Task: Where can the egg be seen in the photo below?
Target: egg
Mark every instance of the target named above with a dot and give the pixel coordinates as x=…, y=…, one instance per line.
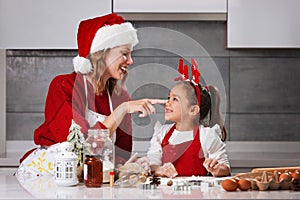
x=285, y=176
x=236, y=178
x=229, y=185
x=296, y=174
x=244, y=184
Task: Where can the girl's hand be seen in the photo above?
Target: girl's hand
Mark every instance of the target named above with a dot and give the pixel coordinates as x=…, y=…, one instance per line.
x=144, y=106
x=215, y=168
x=211, y=165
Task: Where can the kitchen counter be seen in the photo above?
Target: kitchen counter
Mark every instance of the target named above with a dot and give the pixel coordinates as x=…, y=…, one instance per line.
x=45, y=187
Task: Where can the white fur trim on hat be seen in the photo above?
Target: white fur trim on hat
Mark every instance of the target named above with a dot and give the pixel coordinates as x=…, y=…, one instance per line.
x=82, y=65
x=114, y=35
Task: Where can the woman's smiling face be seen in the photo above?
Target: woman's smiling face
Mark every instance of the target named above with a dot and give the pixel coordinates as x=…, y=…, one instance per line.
x=118, y=59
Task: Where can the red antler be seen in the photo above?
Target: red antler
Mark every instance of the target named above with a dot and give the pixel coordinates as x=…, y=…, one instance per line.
x=180, y=66
x=183, y=70
x=195, y=71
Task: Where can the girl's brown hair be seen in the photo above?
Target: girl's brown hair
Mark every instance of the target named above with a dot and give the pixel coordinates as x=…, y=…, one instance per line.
x=210, y=105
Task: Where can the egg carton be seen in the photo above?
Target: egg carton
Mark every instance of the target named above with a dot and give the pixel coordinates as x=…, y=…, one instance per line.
x=273, y=181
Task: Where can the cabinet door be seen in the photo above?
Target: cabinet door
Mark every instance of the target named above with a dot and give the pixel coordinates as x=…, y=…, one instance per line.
x=170, y=6
x=2, y=102
x=263, y=24
x=45, y=24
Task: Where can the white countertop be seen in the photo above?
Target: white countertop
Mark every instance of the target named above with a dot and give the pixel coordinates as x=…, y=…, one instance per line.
x=241, y=154
x=42, y=187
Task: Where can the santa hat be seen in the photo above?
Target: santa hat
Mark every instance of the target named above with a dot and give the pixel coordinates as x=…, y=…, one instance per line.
x=101, y=33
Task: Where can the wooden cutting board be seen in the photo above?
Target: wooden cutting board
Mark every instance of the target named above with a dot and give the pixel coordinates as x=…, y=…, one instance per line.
x=279, y=169
x=252, y=175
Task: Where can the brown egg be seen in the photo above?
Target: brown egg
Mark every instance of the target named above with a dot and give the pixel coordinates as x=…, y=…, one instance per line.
x=285, y=176
x=244, y=184
x=229, y=184
x=296, y=174
x=236, y=178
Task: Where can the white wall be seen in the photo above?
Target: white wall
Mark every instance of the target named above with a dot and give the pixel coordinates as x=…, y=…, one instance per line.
x=263, y=24
x=45, y=24
x=52, y=24
x=170, y=6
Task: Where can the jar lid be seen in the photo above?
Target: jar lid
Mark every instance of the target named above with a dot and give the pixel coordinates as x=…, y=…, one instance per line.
x=101, y=132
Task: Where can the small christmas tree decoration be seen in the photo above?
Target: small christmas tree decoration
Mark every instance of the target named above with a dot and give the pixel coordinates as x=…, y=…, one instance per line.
x=77, y=140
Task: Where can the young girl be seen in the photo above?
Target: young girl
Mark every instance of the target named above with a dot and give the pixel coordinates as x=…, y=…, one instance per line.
x=187, y=147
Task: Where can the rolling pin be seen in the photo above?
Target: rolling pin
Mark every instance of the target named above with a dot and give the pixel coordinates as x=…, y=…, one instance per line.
x=279, y=169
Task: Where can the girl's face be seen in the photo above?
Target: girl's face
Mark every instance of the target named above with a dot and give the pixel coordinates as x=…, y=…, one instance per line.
x=118, y=59
x=177, y=107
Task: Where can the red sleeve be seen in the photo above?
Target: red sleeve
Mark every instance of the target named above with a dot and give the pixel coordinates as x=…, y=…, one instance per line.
x=123, y=144
x=65, y=101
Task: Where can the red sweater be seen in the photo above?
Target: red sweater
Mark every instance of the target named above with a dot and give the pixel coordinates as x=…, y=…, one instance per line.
x=66, y=101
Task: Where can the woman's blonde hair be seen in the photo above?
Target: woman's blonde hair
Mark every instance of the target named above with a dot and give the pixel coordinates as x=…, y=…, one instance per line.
x=99, y=67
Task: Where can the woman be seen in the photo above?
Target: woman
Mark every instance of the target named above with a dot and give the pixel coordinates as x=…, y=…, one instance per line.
x=94, y=96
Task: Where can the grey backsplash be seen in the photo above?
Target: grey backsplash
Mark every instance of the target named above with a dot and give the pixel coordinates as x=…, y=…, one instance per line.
x=262, y=85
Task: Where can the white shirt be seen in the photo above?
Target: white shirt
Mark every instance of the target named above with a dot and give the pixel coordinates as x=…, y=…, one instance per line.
x=210, y=139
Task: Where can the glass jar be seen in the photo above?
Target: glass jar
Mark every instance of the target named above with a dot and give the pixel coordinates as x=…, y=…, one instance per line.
x=100, y=148
x=108, y=156
x=93, y=168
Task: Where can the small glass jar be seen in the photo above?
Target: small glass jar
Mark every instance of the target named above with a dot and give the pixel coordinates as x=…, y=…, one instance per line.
x=101, y=150
x=93, y=176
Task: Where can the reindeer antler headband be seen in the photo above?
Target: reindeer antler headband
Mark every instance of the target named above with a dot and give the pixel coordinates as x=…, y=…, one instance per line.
x=183, y=70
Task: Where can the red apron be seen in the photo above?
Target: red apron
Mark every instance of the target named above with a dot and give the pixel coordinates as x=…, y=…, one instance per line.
x=186, y=157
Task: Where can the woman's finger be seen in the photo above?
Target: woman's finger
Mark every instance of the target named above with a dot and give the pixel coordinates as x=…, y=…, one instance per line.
x=158, y=101
x=144, y=159
x=146, y=109
x=149, y=107
x=145, y=106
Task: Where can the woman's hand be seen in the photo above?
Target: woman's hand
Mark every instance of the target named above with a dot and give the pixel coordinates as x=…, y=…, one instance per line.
x=143, y=162
x=144, y=106
x=215, y=168
x=167, y=170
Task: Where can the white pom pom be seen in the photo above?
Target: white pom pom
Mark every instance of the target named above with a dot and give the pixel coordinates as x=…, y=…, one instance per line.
x=82, y=65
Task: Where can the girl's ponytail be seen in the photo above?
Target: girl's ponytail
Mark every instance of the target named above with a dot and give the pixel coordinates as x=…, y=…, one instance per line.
x=209, y=107
x=215, y=114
